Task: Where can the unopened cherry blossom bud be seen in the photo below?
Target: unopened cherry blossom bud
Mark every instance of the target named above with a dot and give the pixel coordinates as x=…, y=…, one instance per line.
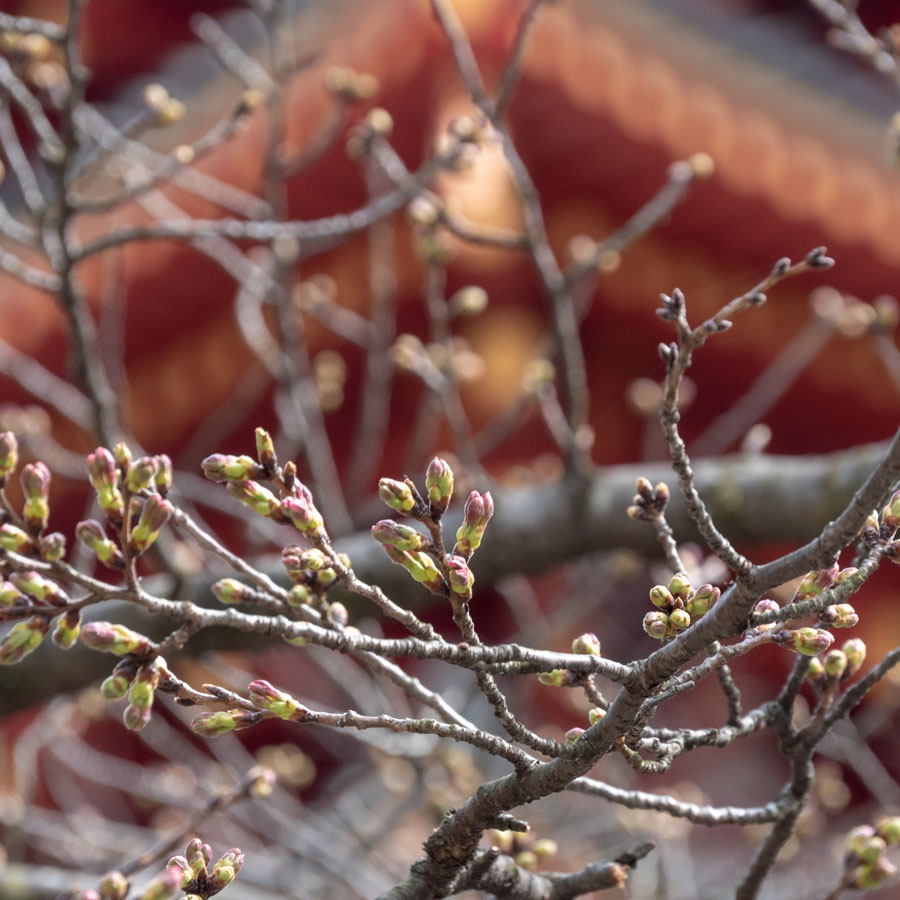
x=68, y=627
x=439, y=485
x=9, y=453
x=226, y=868
x=35, y=481
x=855, y=651
x=766, y=606
x=554, y=678
x=302, y=511
x=155, y=512
x=813, y=583
x=596, y=714
x=835, y=663
x=114, y=886
x=269, y=698
x=811, y=641
x=857, y=840
x=587, y=644
x=421, y=566
x=679, y=619
x=888, y=829
x=115, y=639
x=815, y=671
x=573, y=734
x=141, y=474
x=841, y=615
x=14, y=539
x=213, y=724
x=163, y=888
x=656, y=624
x=122, y=455
x=229, y=591
x=10, y=595
x=199, y=856
x=254, y=495
x=890, y=515
x=397, y=495
x=545, y=848
x=102, y=474
x=337, y=614
x=661, y=596
x=874, y=875
x=115, y=687
x=22, y=639
x=222, y=467
x=265, y=450
x=461, y=577
x=162, y=480
x=39, y=588
x=477, y=513
x=300, y=595
x=92, y=534
x=401, y=537
x=680, y=585
x=52, y=547
x=703, y=599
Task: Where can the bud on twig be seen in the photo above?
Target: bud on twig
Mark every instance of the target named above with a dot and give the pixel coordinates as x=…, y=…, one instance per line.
x=68, y=627
x=302, y=511
x=91, y=534
x=155, y=512
x=400, y=537
x=220, y=467
x=115, y=639
x=439, y=485
x=213, y=724
x=283, y=705
x=461, y=577
x=22, y=639
x=397, y=495
x=587, y=644
x=254, y=495
x=141, y=474
x=9, y=453
x=102, y=474
x=35, y=481
x=478, y=511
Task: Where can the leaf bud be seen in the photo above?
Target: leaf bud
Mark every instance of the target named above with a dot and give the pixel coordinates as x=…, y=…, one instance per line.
x=22, y=639
x=439, y=485
x=397, y=495
x=656, y=624
x=587, y=644
x=9, y=453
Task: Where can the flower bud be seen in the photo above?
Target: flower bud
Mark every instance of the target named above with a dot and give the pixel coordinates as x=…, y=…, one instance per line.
x=229, y=591
x=554, y=678
x=91, y=534
x=114, y=886
x=661, y=597
x=680, y=586
x=811, y=641
x=835, y=663
x=545, y=848
x=679, y=619
x=857, y=839
x=262, y=781
x=397, y=495
x=765, y=606
x=855, y=651
x=813, y=583
x=213, y=724
x=115, y=639
x=888, y=829
x=162, y=480
x=815, y=671
x=102, y=474
x=141, y=474
x=461, y=577
x=225, y=869
x=14, y=539
x=596, y=714
x=702, y=600
x=9, y=453
x=122, y=455
x=22, y=639
x=439, y=484
x=163, y=888
x=52, y=547
x=265, y=450
x=302, y=511
x=135, y=717
x=115, y=687
x=478, y=511
x=890, y=515
x=401, y=537
x=68, y=627
x=656, y=624
x=10, y=595
x=155, y=512
x=220, y=467
x=841, y=615
x=254, y=495
x=587, y=644
x=198, y=856
x=421, y=566
x=337, y=614
x=35, y=481
x=265, y=696
x=300, y=595
x=874, y=875
x=39, y=588
x=573, y=734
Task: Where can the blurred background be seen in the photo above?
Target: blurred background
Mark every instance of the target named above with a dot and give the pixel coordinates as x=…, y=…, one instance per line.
x=802, y=152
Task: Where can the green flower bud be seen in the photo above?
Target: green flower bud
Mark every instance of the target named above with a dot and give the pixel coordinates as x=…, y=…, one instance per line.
x=122, y=455
x=461, y=577
x=68, y=627
x=337, y=614
x=703, y=599
x=656, y=624
x=835, y=663
x=545, y=848
x=213, y=724
x=439, y=485
x=326, y=576
x=302, y=511
x=35, y=481
x=9, y=453
x=662, y=597
x=155, y=512
x=421, y=566
x=300, y=595
x=14, y=539
x=114, y=886
x=220, y=467
x=596, y=714
x=226, y=868
x=477, y=513
x=198, y=856
x=814, y=583
x=841, y=615
x=269, y=698
x=401, y=537
x=102, y=474
x=855, y=651
x=573, y=734
x=115, y=687
x=815, y=671
x=587, y=644
x=764, y=606
x=91, y=534
x=890, y=515
x=229, y=591
x=679, y=619
x=680, y=585
x=10, y=595
x=141, y=474
x=254, y=495
x=163, y=888
x=162, y=481
x=135, y=717
x=115, y=639
x=874, y=875
x=22, y=639
x=857, y=839
x=265, y=450
x=38, y=588
x=397, y=495
x=555, y=678
x=811, y=641
x=888, y=829
x=52, y=547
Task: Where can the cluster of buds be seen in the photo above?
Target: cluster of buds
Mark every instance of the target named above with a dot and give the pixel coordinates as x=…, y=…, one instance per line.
x=838, y=665
x=198, y=876
x=529, y=853
x=266, y=697
x=678, y=606
x=865, y=853
x=649, y=502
